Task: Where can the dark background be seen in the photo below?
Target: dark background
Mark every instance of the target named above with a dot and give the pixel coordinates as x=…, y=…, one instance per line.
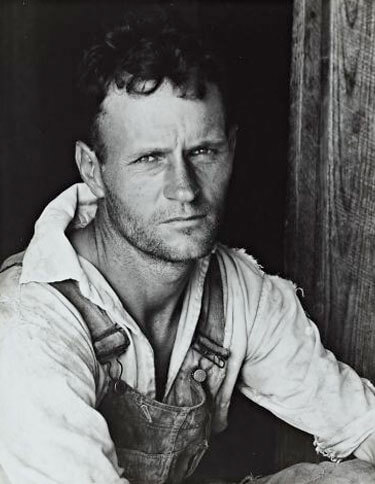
x=40, y=45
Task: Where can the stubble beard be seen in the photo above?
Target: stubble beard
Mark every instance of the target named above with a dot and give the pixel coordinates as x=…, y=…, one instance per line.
x=144, y=236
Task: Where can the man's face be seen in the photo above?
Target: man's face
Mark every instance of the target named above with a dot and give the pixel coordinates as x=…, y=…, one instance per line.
x=167, y=167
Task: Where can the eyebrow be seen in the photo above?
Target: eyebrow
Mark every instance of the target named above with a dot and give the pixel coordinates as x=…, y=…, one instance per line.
x=217, y=143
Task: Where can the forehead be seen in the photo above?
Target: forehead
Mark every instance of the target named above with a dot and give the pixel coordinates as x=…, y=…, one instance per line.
x=161, y=117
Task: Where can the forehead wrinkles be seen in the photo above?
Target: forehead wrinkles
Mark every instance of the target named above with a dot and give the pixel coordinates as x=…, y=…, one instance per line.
x=159, y=117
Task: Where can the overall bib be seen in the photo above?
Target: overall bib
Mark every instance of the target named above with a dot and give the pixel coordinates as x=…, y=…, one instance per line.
x=161, y=442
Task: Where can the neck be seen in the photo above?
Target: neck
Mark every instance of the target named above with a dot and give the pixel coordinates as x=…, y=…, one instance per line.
x=149, y=288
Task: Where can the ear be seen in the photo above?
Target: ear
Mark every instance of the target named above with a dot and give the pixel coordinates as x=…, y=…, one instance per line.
x=89, y=168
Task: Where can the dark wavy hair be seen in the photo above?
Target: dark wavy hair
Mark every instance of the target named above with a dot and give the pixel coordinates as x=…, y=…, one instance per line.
x=137, y=55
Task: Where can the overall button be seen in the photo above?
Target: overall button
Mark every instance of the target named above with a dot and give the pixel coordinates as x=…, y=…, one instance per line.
x=199, y=375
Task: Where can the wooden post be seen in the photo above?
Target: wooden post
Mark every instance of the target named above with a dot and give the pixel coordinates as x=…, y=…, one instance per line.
x=330, y=227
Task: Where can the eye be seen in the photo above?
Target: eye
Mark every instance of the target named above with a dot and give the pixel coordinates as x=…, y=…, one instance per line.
x=203, y=151
x=149, y=158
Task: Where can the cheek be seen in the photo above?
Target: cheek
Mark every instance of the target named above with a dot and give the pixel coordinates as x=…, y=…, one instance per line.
x=135, y=191
x=214, y=182
x=145, y=195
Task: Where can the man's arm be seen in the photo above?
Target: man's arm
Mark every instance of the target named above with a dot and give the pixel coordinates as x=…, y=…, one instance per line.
x=50, y=430
x=288, y=371
x=366, y=450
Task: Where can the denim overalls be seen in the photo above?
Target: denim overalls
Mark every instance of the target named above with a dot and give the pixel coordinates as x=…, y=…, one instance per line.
x=161, y=442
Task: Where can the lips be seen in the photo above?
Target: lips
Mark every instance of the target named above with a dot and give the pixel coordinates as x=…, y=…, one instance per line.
x=185, y=218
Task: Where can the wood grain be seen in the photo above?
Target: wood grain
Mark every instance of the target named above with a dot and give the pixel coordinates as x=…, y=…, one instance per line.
x=330, y=236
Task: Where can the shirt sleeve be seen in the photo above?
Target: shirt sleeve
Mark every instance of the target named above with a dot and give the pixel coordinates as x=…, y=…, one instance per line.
x=288, y=371
x=50, y=430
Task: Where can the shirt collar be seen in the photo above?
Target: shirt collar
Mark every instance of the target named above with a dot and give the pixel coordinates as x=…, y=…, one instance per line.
x=50, y=256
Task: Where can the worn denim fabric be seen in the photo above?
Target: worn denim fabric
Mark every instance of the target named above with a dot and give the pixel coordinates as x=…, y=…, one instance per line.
x=157, y=443
x=161, y=442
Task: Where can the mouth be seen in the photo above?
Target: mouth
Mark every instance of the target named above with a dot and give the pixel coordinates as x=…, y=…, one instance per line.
x=184, y=219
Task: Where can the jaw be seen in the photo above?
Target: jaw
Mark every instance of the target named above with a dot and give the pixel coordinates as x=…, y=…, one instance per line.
x=186, y=244
x=168, y=242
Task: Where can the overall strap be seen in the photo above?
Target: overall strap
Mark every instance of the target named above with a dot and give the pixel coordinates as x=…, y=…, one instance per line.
x=209, y=341
x=210, y=332
x=109, y=339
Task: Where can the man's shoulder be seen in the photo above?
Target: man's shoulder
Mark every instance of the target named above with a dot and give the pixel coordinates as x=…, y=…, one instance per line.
x=14, y=292
x=40, y=305
x=10, y=273
x=240, y=269
x=242, y=276
x=240, y=261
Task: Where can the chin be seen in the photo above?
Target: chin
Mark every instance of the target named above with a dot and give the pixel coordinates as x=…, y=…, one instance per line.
x=188, y=250
x=187, y=255
x=174, y=246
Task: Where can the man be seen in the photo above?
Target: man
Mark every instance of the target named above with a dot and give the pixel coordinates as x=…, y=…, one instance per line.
x=125, y=326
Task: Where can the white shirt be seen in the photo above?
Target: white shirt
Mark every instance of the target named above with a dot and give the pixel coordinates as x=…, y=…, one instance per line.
x=51, y=382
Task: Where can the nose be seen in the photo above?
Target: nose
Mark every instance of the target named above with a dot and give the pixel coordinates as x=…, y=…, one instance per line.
x=180, y=183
